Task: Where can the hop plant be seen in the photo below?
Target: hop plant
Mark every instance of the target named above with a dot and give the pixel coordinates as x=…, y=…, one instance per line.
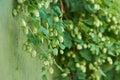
x=80, y=37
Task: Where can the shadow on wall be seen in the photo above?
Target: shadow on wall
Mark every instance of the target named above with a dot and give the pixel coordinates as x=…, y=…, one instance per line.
x=14, y=63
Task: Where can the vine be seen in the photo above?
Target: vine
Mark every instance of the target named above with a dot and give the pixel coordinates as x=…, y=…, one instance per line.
x=80, y=37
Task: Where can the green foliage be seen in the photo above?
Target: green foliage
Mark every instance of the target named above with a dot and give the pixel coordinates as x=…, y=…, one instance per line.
x=44, y=77
x=80, y=37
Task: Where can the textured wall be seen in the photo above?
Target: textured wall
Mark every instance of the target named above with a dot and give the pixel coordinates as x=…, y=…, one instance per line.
x=14, y=63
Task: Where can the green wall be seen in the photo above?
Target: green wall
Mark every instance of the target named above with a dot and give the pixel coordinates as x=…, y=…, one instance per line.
x=14, y=63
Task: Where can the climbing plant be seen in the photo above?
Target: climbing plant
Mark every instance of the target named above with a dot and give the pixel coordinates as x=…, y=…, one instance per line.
x=80, y=37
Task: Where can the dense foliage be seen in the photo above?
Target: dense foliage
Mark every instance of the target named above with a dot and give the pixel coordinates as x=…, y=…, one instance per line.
x=80, y=37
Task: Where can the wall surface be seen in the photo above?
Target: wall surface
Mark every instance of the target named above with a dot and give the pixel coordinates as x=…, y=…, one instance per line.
x=14, y=63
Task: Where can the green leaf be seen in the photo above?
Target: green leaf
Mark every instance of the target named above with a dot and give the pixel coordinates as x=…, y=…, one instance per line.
x=43, y=14
x=80, y=75
x=79, y=41
x=62, y=46
x=35, y=21
x=55, y=51
x=43, y=68
x=89, y=22
x=75, y=6
x=71, y=65
x=32, y=39
x=59, y=26
x=43, y=52
x=109, y=45
x=44, y=77
x=86, y=54
x=111, y=53
x=100, y=71
x=95, y=38
x=57, y=10
x=102, y=29
x=90, y=8
x=93, y=47
x=67, y=40
x=44, y=30
x=106, y=2
x=109, y=75
x=50, y=21
x=84, y=27
x=77, y=59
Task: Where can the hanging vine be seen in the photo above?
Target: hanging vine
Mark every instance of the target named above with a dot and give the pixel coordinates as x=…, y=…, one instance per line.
x=80, y=37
